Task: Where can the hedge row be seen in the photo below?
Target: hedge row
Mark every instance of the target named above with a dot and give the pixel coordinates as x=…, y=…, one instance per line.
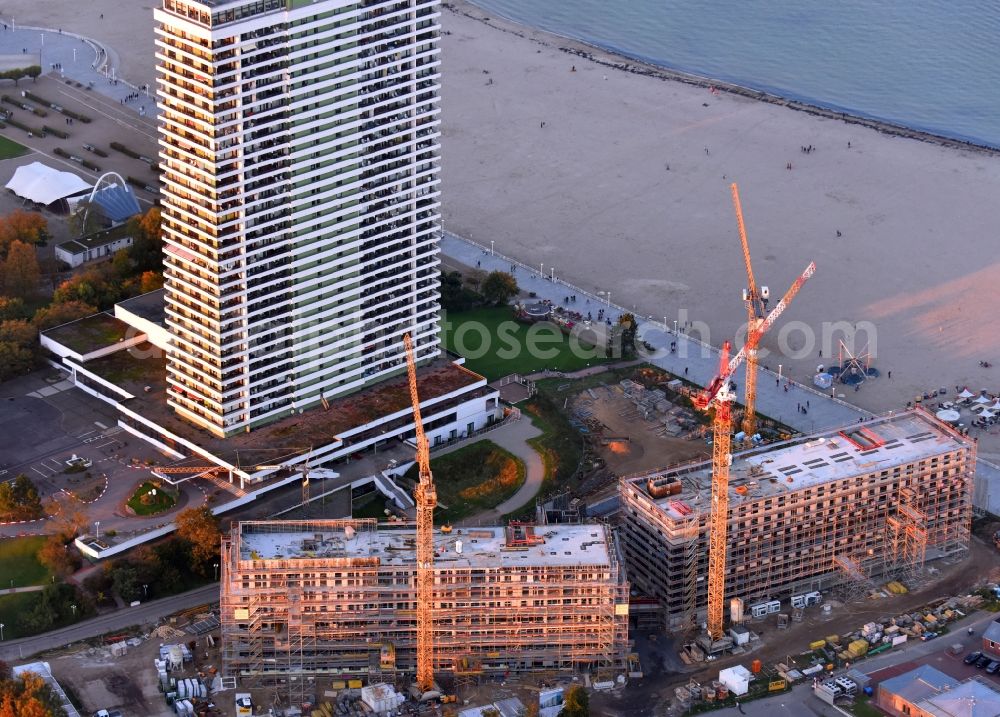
x=142, y=184
x=57, y=108
x=79, y=160
x=96, y=150
x=125, y=150
x=30, y=130
x=57, y=132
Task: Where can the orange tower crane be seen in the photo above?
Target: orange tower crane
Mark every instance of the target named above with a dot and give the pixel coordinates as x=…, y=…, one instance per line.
x=756, y=302
x=426, y=499
x=719, y=394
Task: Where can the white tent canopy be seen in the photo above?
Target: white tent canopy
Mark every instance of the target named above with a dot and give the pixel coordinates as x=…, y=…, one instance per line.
x=966, y=393
x=983, y=399
x=44, y=185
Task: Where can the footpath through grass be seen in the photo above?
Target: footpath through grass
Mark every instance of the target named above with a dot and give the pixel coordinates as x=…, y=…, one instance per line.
x=476, y=477
x=18, y=562
x=10, y=149
x=495, y=345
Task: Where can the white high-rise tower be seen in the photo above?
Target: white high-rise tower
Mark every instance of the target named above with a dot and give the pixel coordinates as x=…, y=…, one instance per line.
x=299, y=155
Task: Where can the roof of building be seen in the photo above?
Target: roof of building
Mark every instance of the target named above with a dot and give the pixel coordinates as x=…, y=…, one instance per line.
x=972, y=698
x=90, y=333
x=40, y=183
x=490, y=547
x=812, y=460
x=42, y=670
x=992, y=632
x=511, y=707
x=919, y=684
x=83, y=244
x=149, y=306
x=315, y=426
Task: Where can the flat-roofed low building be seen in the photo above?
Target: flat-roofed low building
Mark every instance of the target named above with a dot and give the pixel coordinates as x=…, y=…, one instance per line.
x=338, y=599
x=927, y=692
x=831, y=509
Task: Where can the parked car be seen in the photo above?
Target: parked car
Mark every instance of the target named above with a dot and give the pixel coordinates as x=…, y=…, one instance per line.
x=993, y=667
x=983, y=661
x=972, y=657
x=928, y=636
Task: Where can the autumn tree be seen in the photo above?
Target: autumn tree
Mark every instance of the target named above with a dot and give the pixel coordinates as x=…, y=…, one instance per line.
x=147, y=246
x=28, y=696
x=19, y=499
x=62, y=313
x=22, y=226
x=200, y=529
x=18, y=346
x=12, y=307
x=20, y=270
x=58, y=557
x=576, y=702
x=150, y=281
x=499, y=287
x=95, y=286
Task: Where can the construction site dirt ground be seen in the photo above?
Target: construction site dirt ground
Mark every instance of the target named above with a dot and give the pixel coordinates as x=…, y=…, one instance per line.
x=99, y=680
x=644, y=449
x=664, y=671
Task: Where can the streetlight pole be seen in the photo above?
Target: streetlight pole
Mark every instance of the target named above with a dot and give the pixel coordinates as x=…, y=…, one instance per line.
x=779, y=373
x=541, y=269
x=73, y=606
x=216, y=566
x=491, y=247
x=145, y=591
x=609, y=299
x=1, y=631
x=97, y=529
x=553, y=273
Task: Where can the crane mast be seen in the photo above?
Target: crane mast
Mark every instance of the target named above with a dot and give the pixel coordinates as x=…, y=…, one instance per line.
x=719, y=395
x=426, y=500
x=756, y=303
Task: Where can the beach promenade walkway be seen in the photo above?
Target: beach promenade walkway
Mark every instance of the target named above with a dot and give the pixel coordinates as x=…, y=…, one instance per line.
x=693, y=360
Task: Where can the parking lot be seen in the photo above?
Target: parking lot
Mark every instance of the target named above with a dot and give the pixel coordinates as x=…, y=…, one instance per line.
x=45, y=422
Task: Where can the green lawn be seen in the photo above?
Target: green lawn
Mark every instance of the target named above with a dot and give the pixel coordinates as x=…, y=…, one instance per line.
x=18, y=562
x=371, y=505
x=13, y=608
x=144, y=503
x=495, y=345
x=10, y=149
x=473, y=478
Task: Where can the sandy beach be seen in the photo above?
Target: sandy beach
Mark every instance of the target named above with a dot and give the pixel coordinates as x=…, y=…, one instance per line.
x=621, y=182
x=590, y=193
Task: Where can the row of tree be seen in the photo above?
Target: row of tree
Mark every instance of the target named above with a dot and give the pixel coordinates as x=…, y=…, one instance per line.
x=476, y=289
x=23, y=313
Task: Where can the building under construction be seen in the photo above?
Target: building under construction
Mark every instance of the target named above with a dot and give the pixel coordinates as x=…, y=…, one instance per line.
x=835, y=509
x=307, y=600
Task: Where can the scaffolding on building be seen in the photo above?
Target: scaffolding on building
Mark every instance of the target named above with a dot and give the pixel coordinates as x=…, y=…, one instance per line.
x=838, y=511
x=311, y=605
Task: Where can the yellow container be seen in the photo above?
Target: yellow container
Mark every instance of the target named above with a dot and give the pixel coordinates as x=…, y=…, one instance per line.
x=817, y=645
x=354, y=684
x=833, y=639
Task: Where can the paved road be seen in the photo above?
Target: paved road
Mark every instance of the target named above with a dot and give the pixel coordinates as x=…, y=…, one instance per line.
x=147, y=613
x=513, y=437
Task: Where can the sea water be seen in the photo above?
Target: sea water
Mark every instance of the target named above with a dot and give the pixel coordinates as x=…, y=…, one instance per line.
x=931, y=65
